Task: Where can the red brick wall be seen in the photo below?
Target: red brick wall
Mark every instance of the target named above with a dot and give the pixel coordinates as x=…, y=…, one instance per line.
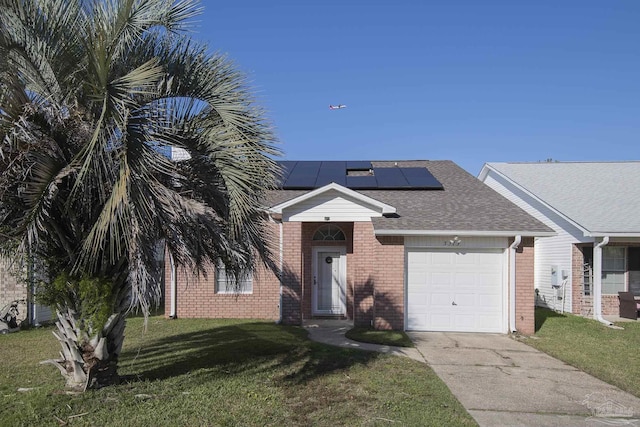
x=578, y=301
x=525, y=296
x=11, y=288
x=389, y=283
x=292, y=274
x=362, y=273
x=197, y=298
x=583, y=305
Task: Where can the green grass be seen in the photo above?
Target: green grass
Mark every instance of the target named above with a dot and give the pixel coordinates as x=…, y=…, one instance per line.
x=225, y=373
x=394, y=338
x=608, y=354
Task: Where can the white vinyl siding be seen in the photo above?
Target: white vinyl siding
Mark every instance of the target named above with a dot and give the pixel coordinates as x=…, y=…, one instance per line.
x=331, y=206
x=548, y=251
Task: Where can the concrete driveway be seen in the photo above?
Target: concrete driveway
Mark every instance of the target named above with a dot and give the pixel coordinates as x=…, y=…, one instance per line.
x=502, y=382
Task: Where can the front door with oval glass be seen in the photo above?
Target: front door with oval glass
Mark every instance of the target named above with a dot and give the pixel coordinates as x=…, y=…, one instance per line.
x=329, y=281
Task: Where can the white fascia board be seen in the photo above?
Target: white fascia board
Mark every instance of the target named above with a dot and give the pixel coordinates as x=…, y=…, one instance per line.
x=463, y=233
x=484, y=172
x=604, y=233
x=488, y=168
x=384, y=208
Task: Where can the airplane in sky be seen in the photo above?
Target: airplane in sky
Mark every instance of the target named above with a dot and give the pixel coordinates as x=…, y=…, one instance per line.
x=337, y=107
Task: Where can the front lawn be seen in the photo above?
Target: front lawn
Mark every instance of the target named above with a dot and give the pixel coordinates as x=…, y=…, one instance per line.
x=609, y=354
x=221, y=372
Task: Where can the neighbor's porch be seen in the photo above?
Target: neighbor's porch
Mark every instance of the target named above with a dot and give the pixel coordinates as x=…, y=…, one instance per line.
x=620, y=273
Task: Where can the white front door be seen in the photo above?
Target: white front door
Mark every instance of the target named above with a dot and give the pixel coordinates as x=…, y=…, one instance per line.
x=329, y=281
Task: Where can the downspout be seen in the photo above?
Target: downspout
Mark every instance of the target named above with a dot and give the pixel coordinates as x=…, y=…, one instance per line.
x=512, y=282
x=174, y=288
x=281, y=249
x=597, y=281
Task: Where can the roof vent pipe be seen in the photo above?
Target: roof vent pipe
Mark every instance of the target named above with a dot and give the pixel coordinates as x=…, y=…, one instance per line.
x=597, y=281
x=512, y=282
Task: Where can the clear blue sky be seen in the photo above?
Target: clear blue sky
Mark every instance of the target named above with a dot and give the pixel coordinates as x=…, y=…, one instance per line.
x=470, y=81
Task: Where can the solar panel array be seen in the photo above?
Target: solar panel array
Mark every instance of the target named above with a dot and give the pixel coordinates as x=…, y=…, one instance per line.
x=357, y=175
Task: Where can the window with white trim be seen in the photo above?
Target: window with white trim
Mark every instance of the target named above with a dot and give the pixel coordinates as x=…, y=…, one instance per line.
x=614, y=267
x=227, y=285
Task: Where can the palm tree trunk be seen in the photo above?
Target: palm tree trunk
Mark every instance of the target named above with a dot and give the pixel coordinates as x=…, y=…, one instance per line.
x=88, y=362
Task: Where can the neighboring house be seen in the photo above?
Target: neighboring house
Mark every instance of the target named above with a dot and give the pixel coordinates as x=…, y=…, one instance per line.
x=593, y=208
x=408, y=245
x=13, y=288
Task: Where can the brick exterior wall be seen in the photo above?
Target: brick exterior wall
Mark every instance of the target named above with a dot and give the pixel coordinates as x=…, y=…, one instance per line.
x=389, y=283
x=11, y=288
x=373, y=266
x=292, y=273
x=583, y=304
x=525, y=295
x=197, y=297
x=363, y=278
x=375, y=281
x=578, y=299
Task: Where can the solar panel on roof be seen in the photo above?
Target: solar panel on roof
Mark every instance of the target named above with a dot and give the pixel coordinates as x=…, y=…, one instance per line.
x=303, y=175
x=332, y=172
x=307, y=175
x=286, y=166
x=390, y=178
x=420, y=178
x=284, y=169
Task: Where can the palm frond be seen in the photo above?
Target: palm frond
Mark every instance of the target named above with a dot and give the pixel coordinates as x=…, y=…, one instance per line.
x=90, y=93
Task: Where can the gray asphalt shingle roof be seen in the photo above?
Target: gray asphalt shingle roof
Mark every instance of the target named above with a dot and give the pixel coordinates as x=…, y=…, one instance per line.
x=465, y=204
x=599, y=196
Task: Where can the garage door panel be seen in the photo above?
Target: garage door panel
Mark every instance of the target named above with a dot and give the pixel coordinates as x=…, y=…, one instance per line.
x=439, y=299
x=473, y=280
x=489, y=301
x=464, y=321
x=440, y=321
x=486, y=323
x=465, y=301
x=488, y=279
x=462, y=279
x=439, y=258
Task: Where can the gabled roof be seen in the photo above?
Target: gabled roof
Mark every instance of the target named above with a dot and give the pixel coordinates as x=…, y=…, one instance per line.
x=465, y=206
x=602, y=198
x=383, y=207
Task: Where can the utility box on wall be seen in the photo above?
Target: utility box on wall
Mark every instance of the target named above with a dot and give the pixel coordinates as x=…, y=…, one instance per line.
x=554, y=276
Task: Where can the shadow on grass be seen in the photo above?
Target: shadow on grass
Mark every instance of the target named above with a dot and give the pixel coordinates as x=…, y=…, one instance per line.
x=542, y=314
x=243, y=348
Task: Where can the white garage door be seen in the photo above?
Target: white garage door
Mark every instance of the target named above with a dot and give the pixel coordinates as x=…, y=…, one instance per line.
x=455, y=290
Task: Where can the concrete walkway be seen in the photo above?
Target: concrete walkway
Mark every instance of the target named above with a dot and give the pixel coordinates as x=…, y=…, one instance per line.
x=332, y=332
x=503, y=382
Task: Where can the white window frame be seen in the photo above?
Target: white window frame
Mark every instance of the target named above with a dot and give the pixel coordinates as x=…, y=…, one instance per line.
x=225, y=286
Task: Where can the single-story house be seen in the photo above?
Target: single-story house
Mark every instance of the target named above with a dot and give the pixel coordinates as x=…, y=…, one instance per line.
x=406, y=245
x=593, y=209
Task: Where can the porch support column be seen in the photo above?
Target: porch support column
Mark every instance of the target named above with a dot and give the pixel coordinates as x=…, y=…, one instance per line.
x=597, y=281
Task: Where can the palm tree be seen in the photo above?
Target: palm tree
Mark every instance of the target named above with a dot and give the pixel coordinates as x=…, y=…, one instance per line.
x=91, y=93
